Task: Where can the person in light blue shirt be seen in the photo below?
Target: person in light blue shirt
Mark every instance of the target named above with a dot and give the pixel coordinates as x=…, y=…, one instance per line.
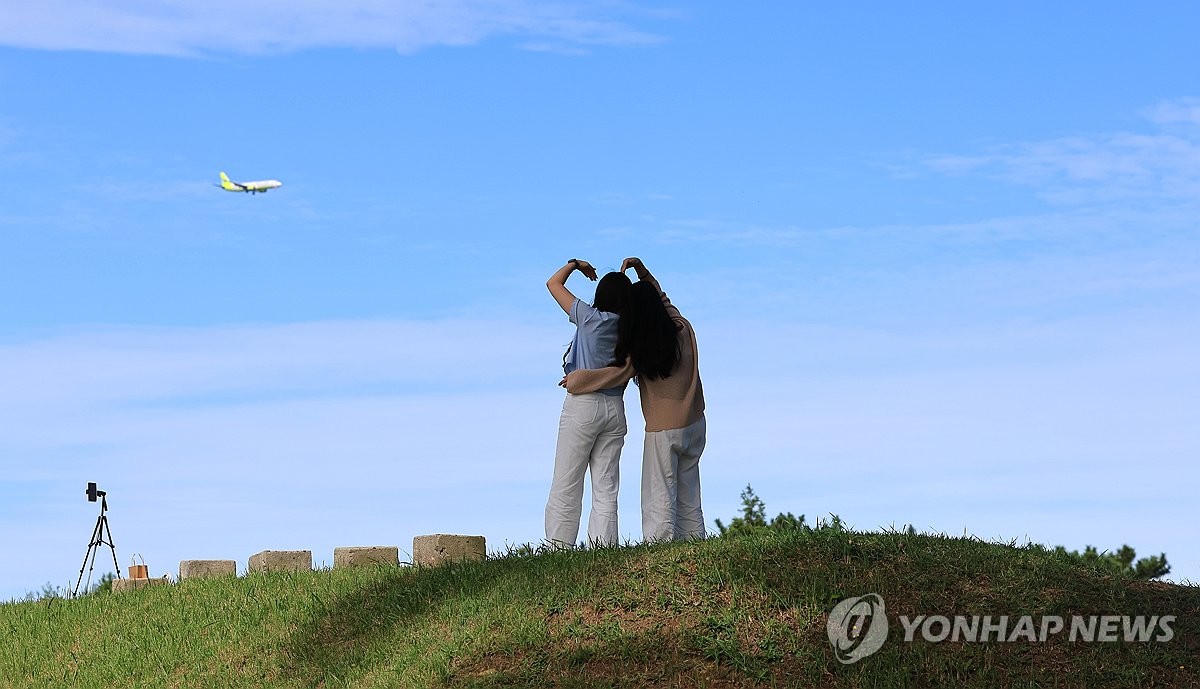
x=595, y=338
x=591, y=429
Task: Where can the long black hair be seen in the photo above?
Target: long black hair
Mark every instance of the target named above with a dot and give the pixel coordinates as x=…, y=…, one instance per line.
x=612, y=293
x=647, y=333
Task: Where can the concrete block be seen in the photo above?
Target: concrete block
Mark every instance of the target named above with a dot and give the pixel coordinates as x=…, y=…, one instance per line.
x=190, y=569
x=358, y=556
x=281, y=561
x=123, y=585
x=437, y=549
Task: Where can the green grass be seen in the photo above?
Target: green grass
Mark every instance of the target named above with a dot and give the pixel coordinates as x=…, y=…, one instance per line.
x=726, y=612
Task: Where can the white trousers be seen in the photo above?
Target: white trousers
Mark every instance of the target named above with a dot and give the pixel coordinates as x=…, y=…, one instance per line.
x=591, y=433
x=671, y=484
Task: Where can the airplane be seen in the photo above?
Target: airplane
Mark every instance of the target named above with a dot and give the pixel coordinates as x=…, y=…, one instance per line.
x=262, y=185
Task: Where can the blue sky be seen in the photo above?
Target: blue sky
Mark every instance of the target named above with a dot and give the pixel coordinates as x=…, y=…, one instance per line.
x=941, y=260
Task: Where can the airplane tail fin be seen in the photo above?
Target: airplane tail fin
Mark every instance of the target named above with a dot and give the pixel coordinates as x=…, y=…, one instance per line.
x=226, y=184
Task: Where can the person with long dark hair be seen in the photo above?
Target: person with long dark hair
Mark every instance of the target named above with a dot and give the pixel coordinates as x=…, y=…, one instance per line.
x=591, y=429
x=658, y=345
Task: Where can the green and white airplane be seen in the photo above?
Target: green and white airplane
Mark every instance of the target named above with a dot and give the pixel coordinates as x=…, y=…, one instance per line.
x=262, y=185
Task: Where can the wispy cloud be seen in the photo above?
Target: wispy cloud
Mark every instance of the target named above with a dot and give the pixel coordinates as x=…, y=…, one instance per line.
x=11, y=151
x=1158, y=164
x=1104, y=186
x=165, y=365
x=628, y=199
x=1183, y=111
x=1048, y=228
x=197, y=27
x=126, y=191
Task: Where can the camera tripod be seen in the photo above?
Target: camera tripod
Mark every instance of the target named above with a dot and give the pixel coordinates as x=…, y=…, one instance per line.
x=98, y=534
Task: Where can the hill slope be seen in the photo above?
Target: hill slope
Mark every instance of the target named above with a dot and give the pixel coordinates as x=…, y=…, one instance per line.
x=726, y=612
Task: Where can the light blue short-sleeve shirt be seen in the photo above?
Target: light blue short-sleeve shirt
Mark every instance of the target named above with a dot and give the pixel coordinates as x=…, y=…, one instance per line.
x=595, y=340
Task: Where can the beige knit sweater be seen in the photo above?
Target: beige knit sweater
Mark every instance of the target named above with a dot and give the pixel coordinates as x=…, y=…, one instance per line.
x=676, y=401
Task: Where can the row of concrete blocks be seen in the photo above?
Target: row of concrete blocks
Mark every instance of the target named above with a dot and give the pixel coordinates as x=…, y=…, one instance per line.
x=428, y=551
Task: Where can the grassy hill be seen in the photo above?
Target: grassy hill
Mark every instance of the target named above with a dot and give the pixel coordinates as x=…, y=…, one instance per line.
x=727, y=612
